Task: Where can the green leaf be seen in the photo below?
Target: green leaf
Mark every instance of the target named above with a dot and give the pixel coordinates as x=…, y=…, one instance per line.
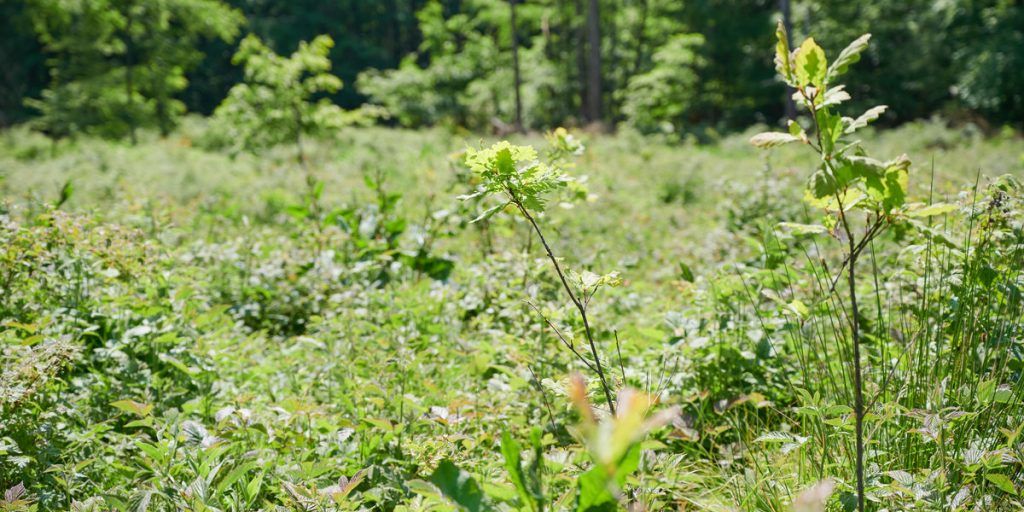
x=872, y=114
x=133, y=407
x=897, y=181
x=234, y=475
x=489, y=213
x=803, y=229
x=685, y=273
x=822, y=185
x=1001, y=481
x=458, y=486
x=772, y=139
x=592, y=492
x=782, y=53
x=849, y=55
x=831, y=126
x=811, y=66
x=932, y=234
x=510, y=450
x=835, y=96
x=932, y=210
x=594, y=487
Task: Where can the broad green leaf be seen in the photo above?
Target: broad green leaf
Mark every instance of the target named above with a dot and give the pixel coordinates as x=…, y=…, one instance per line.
x=798, y=308
x=772, y=139
x=235, y=474
x=932, y=210
x=592, y=493
x=685, y=273
x=594, y=487
x=458, y=486
x=897, y=181
x=803, y=229
x=811, y=65
x=822, y=185
x=1001, y=481
x=510, y=450
x=133, y=407
x=849, y=55
x=831, y=126
x=796, y=130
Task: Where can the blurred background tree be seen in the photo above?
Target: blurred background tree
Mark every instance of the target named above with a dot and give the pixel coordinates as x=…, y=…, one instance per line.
x=117, y=65
x=695, y=67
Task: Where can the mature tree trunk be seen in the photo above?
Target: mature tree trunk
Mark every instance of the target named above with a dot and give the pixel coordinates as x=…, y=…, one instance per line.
x=129, y=86
x=787, y=22
x=515, y=66
x=594, y=62
x=581, y=60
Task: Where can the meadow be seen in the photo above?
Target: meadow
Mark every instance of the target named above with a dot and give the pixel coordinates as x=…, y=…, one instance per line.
x=188, y=330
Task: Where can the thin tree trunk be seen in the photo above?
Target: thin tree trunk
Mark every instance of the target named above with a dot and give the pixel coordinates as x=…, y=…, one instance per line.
x=515, y=66
x=128, y=75
x=787, y=22
x=581, y=60
x=594, y=62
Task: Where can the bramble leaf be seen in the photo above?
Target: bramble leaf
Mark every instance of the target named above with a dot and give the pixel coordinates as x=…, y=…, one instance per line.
x=1002, y=481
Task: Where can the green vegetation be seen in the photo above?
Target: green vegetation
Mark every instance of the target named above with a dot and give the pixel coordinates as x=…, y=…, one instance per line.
x=283, y=307
x=694, y=68
x=172, y=342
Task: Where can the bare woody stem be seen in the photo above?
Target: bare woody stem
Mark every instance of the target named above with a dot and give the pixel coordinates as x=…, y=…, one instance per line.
x=858, y=387
x=851, y=262
x=575, y=300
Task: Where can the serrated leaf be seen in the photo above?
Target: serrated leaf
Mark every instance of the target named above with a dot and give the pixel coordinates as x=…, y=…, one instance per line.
x=811, y=65
x=835, y=96
x=772, y=139
x=870, y=115
x=782, y=53
x=1001, y=481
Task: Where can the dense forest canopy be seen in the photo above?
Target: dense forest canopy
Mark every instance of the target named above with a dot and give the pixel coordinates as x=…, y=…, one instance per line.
x=682, y=67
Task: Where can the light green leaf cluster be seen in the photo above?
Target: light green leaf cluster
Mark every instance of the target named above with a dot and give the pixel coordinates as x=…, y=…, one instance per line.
x=846, y=177
x=515, y=173
x=275, y=103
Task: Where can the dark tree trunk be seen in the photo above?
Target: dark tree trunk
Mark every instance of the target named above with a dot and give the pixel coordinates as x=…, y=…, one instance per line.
x=581, y=60
x=787, y=22
x=594, y=62
x=515, y=66
x=129, y=86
